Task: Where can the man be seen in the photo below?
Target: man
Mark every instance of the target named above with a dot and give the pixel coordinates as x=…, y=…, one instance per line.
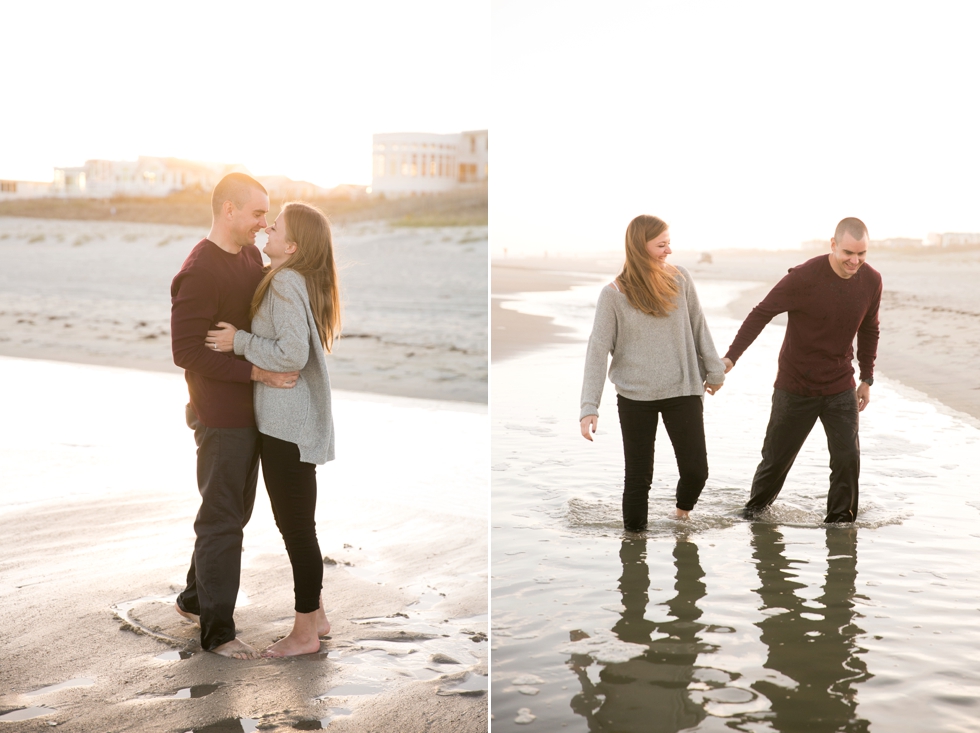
x=216, y=283
x=828, y=300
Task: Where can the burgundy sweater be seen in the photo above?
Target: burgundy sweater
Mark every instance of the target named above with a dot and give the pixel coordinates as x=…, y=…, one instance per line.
x=214, y=285
x=825, y=312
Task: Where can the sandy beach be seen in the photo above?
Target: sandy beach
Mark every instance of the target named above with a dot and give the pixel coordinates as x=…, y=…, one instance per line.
x=930, y=317
x=98, y=292
x=98, y=508
x=99, y=495
x=782, y=624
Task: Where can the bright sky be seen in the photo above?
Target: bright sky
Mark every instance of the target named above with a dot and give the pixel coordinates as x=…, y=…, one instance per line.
x=743, y=124
x=294, y=88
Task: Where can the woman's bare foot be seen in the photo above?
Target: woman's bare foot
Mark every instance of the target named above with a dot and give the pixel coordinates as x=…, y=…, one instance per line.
x=237, y=649
x=322, y=624
x=683, y=514
x=303, y=639
x=192, y=617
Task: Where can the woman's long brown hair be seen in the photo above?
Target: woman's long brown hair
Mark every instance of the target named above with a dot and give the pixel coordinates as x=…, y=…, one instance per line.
x=309, y=229
x=647, y=286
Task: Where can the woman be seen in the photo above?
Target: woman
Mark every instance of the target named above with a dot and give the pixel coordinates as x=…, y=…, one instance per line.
x=295, y=317
x=650, y=319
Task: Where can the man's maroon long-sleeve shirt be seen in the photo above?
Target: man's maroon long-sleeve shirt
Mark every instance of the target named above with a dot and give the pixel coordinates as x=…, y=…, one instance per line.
x=214, y=285
x=825, y=312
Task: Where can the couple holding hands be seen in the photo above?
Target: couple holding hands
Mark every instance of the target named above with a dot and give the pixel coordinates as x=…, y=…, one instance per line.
x=664, y=360
x=252, y=341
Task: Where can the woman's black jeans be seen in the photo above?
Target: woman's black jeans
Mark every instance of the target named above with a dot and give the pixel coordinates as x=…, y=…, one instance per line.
x=684, y=420
x=292, y=490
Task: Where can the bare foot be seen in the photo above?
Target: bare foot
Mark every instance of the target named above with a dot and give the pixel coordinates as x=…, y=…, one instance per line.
x=322, y=624
x=237, y=649
x=683, y=514
x=192, y=617
x=304, y=637
x=293, y=645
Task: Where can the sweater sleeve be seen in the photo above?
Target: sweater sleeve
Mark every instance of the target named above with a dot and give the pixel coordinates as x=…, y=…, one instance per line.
x=602, y=342
x=289, y=349
x=867, y=338
x=778, y=300
x=194, y=311
x=705, y=345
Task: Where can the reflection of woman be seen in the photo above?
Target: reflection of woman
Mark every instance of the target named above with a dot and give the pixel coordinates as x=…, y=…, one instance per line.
x=295, y=316
x=650, y=320
x=649, y=692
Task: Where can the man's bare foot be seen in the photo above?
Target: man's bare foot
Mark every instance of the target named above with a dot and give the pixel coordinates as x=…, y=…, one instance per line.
x=293, y=645
x=192, y=617
x=237, y=649
x=683, y=514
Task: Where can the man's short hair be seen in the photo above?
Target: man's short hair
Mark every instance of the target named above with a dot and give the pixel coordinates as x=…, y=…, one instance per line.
x=852, y=225
x=235, y=187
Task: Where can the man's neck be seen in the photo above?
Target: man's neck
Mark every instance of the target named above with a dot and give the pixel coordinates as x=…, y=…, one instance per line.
x=224, y=242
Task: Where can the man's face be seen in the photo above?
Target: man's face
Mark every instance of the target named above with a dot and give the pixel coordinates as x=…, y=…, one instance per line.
x=250, y=219
x=847, y=255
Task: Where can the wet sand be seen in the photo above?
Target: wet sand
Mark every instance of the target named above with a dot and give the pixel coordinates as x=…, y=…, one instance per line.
x=98, y=292
x=782, y=624
x=98, y=501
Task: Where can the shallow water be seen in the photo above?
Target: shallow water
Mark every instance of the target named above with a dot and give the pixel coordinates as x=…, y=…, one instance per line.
x=783, y=624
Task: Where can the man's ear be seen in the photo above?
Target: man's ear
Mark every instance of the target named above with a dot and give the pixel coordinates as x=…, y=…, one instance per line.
x=227, y=209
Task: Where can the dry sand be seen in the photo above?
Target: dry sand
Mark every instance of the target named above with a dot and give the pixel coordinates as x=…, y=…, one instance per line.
x=95, y=292
x=930, y=313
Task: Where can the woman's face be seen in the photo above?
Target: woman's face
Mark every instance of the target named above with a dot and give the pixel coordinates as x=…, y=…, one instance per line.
x=277, y=249
x=659, y=248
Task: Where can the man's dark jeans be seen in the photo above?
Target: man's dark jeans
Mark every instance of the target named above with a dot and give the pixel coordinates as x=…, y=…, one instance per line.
x=790, y=422
x=227, y=472
x=684, y=421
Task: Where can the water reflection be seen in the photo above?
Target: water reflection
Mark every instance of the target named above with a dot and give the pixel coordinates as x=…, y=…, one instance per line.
x=649, y=692
x=812, y=647
x=813, y=663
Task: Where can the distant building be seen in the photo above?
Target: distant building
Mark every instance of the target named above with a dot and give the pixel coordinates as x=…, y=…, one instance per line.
x=896, y=243
x=23, y=190
x=146, y=176
x=418, y=163
x=950, y=239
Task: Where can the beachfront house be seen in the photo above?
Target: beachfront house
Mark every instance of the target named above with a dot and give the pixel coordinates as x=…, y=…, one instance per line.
x=146, y=176
x=419, y=163
x=951, y=239
x=24, y=190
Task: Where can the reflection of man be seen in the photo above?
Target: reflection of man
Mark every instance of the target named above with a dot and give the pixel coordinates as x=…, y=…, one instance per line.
x=649, y=693
x=812, y=643
x=828, y=300
x=216, y=283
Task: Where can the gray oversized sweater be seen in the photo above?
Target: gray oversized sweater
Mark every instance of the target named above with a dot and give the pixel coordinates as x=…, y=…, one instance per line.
x=652, y=358
x=284, y=339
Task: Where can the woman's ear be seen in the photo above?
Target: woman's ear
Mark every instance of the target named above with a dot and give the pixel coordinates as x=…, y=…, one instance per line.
x=290, y=248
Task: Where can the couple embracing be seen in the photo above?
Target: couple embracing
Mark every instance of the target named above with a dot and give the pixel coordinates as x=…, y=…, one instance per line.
x=251, y=340
x=664, y=360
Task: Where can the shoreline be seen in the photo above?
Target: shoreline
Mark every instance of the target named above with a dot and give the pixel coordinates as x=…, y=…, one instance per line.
x=929, y=324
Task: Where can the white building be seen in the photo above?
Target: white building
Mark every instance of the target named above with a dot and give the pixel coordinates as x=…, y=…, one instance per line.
x=950, y=239
x=146, y=176
x=416, y=163
x=23, y=190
